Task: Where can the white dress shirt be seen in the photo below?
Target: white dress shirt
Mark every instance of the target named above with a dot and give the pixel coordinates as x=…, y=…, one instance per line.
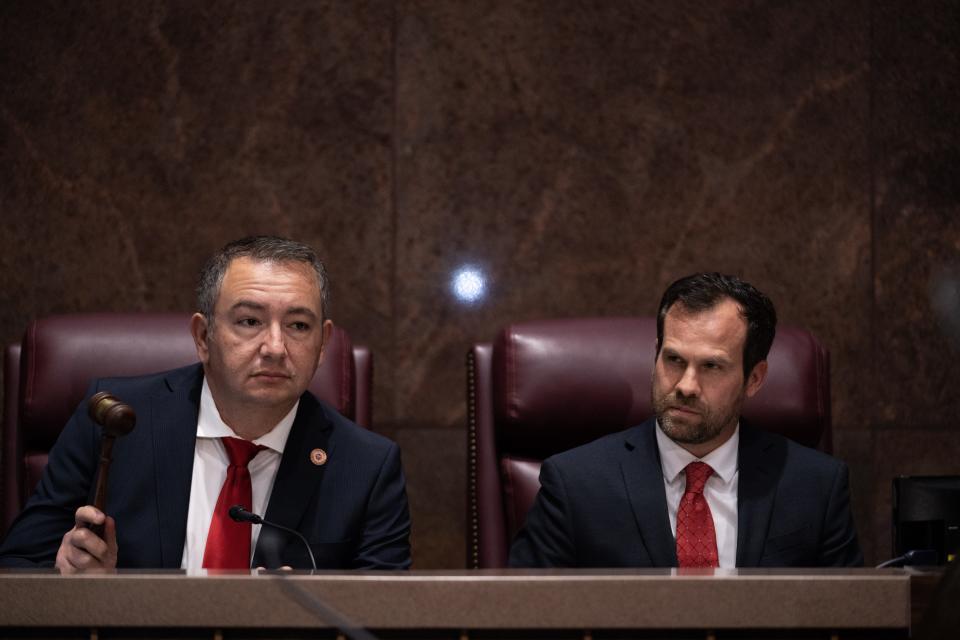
x=720, y=490
x=210, y=462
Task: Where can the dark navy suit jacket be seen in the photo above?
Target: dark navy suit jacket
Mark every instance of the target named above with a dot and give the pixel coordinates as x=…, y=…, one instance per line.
x=352, y=510
x=604, y=505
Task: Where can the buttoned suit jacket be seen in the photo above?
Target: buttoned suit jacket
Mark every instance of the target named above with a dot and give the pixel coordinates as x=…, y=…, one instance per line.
x=604, y=505
x=352, y=509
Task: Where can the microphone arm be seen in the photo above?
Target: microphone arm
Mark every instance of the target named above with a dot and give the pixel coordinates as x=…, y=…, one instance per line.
x=912, y=558
x=323, y=611
x=240, y=514
x=307, y=600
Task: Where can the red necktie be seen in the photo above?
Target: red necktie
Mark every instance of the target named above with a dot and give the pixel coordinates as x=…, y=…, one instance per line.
x=696, y=537
x=228, y=542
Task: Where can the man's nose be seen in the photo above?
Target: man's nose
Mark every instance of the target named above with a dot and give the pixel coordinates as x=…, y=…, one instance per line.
x=689, y=384
x=273, y=345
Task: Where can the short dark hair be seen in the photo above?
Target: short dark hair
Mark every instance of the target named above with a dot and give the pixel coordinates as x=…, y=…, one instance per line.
x=264, y=249
x=702, y=291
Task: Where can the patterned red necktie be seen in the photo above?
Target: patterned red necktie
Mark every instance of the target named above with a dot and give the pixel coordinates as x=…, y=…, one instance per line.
x=228, y=542
x=696, y=537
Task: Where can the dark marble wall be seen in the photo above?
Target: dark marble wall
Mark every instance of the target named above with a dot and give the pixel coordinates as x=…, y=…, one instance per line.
x=581, y=154
x=910, y=425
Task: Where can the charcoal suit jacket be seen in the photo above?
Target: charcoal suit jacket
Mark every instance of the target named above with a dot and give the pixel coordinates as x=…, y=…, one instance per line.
x=604, y=505
x=352, y=509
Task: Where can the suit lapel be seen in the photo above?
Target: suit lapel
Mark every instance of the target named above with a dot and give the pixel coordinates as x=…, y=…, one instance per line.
x=297, y=478
x=173, y=418
x=755, y=493
x=643, y=477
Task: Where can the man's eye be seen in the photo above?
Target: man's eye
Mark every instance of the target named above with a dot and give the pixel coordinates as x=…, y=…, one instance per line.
x=301, y=326
x=248, y=322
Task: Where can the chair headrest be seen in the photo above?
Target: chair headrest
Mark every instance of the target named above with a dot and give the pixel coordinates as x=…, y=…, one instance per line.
x=561, y=383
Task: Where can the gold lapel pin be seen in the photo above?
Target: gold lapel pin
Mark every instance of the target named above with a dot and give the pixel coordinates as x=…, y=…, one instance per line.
x=318, y=457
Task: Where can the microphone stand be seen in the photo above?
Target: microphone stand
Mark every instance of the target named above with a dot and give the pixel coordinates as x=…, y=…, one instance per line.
x=239, y=514
x=304, y=598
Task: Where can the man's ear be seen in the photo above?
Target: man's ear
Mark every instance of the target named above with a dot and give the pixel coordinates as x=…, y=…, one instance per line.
x=325, y=340
x=756, y=378
x=200, y=331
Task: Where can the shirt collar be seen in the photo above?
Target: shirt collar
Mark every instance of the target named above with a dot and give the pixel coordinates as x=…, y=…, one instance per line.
x=211, y=425
x=674, y=458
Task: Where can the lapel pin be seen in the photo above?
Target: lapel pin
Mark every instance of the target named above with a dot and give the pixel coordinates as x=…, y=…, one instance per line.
x=318, y=457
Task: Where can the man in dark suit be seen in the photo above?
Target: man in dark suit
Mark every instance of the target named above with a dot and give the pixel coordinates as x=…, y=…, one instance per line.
x=238, y=428
x=695, y=486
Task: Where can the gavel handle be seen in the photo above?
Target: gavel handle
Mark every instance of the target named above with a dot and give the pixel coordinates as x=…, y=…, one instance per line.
x=100, y=497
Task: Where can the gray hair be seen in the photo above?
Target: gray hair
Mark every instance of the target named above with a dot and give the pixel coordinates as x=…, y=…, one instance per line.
x=264, y=249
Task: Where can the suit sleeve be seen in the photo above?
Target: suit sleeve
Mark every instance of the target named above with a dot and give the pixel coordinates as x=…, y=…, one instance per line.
x=36, y=534
x=385, y=541
x=839, y=547
x=546, y=539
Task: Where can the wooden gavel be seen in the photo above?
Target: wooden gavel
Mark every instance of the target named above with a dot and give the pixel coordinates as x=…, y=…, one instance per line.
x=116, y=419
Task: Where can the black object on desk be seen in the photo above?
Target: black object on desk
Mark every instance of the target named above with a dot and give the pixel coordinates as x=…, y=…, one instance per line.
x=926, y=515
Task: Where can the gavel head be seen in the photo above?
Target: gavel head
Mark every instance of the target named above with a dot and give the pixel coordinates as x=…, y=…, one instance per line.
x=116, y=418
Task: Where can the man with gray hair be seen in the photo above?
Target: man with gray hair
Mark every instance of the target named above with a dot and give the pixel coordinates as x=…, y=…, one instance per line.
x=241, y=428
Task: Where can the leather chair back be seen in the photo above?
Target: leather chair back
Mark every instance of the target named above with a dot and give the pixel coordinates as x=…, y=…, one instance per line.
x=547, y=386
x=47, y=374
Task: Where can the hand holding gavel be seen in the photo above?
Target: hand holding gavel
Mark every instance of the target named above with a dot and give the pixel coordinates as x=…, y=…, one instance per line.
x=116, y=419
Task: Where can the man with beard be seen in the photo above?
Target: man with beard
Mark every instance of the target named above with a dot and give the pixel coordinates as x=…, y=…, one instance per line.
x=695, y=486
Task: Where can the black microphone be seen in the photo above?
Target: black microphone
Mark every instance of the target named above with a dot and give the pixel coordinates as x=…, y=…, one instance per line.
x=240, y=514
x=912, y=558
x=310, y=602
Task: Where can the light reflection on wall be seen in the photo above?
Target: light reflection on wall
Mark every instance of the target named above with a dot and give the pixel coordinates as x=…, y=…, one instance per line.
x=469, y=284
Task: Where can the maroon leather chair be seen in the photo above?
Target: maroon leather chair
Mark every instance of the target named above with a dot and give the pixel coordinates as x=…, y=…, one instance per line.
x=544, y=387
x=46, y=375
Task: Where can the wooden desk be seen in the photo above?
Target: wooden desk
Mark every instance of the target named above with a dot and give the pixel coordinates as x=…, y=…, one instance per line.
x=475, y=604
